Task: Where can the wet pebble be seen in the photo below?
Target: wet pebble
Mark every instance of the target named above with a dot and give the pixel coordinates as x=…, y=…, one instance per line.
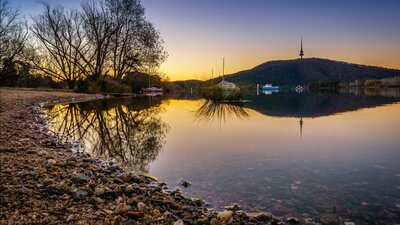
x=226, y=217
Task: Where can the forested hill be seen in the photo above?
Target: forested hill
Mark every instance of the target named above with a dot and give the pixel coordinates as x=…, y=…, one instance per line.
x=309, y=70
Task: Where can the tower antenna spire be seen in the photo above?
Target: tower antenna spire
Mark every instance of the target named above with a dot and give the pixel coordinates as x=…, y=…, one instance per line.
x=301, y=48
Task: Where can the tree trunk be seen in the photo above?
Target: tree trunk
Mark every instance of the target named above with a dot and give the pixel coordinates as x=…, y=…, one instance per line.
x=71, y=84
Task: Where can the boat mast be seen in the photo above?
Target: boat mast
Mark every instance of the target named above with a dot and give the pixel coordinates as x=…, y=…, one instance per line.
x=223, y=68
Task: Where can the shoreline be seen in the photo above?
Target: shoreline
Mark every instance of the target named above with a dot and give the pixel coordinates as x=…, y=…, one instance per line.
x=43, y=181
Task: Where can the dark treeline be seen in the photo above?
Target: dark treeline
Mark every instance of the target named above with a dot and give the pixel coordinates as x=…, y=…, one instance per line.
x=102, y=46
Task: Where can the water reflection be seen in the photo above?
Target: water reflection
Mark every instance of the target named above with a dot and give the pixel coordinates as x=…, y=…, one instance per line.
x=217, y=112
x=306, y=104
x=345, y=165
x=130, y=132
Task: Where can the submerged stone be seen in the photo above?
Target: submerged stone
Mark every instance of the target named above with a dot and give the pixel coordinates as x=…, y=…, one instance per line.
x=261, y=216
x=185, y=183
x=232, y=207
x=293, y=220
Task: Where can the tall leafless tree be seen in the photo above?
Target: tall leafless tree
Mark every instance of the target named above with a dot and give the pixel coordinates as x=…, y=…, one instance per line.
x=13, y=35
x=135, y=44
x=62, y=44
x=103, y=38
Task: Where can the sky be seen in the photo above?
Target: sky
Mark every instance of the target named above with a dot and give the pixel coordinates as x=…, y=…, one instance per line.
x=197, y=34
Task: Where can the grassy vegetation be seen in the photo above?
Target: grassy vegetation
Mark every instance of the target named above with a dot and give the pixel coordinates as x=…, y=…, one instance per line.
x=218, y=94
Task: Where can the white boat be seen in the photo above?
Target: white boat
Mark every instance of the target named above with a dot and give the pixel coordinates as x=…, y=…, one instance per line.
x=270, y=87
x=152, y=90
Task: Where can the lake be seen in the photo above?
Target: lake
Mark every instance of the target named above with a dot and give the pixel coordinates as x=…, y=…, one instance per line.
x=324, y=157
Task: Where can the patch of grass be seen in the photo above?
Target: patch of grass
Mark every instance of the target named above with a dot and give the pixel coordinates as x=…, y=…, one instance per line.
x=218, y=94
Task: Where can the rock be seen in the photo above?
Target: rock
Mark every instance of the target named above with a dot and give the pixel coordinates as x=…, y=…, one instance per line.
x=179, y=222
x=151, y=177
x=42, y=153
x=109, y=212
x=141, y=207
x=51, y=161
x=293, y=220
x=128, y=177
x=329, y=219
x=184, y=183
x=349, y=223
x=70, y=217
x=98, y=200
x=261, y=216
x=81, y=178
x=134, y=214
x=226, y=217
x=27, y=173
x=118, y=181
x=198, y=201
x=122, y=208
x=214, y=221
x=277, y=223
x=99, y=191
x=23, y=139
x=26, y=191
x=203, y=220
x=233, y=207
x=80, y=195
x=48, y=181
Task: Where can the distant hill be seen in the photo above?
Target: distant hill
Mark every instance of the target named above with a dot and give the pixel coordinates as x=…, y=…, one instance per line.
x=308, y=70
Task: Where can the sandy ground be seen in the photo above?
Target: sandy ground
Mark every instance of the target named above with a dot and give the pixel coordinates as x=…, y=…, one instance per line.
x=43, y=182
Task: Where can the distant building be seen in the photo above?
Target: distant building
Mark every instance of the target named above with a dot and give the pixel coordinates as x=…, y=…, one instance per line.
x=301, y=48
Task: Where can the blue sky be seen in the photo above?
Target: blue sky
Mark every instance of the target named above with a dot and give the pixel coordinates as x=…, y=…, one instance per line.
x=198, y=34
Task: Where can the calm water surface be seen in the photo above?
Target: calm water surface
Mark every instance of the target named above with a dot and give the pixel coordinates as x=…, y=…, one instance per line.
x=304, y=155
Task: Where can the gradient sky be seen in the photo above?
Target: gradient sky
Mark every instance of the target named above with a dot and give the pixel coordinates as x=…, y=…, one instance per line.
x=198, y=33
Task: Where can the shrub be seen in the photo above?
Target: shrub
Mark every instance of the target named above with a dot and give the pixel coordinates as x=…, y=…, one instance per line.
x=219, y=95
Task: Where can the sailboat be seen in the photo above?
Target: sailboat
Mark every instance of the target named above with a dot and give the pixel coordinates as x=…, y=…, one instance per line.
x=225, y=85
x=152, y=90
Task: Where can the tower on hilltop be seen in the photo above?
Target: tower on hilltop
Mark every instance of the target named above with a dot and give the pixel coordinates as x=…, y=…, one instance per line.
x=301, y=48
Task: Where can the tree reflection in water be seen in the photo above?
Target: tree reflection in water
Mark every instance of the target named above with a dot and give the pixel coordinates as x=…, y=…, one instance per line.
x=218, y=112
x=130, y=132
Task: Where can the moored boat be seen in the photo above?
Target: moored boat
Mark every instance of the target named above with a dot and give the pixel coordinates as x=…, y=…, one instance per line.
x=270, y=87
x=152, y=90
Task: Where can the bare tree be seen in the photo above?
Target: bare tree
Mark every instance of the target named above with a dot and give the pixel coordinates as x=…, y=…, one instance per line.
x=136, y=44
x=13, y=35
x=61, y=44
x=99, y=31
x=103, y=38
x=121, y=38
